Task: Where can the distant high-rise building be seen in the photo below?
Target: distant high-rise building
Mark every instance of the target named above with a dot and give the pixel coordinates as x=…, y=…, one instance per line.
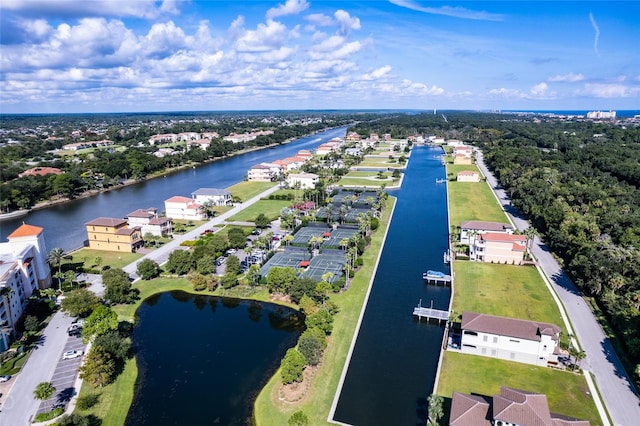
x=601, y=114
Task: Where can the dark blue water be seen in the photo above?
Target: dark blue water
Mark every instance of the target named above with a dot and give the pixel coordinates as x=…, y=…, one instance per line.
x=392, y=370
x=64, y=224
x=203, y=359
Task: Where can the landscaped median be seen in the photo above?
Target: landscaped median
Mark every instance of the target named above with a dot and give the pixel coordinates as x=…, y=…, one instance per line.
x=316, y=403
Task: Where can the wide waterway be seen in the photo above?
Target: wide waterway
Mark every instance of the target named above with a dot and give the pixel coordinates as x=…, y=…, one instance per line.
x=393, y=366
x=64, y=224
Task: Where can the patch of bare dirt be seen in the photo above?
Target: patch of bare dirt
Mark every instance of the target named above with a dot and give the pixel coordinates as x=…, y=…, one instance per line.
x=277, y=297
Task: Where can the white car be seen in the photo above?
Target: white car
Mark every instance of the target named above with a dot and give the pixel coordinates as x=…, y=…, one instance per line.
x=71, y=354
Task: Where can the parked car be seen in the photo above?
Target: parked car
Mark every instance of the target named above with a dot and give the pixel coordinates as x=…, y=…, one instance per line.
x=71, y=354
x=256, y=232
x=74, y=327
x=75, y=332
x=4, y=379
x=231, y=251
x=220, y=261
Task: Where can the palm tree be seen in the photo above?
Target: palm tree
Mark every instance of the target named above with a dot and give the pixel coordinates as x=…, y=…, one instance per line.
x=344, y=243
x=55, y=257
x=43, y=391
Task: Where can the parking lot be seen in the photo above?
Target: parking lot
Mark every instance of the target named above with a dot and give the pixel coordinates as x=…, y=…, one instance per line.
x=64, y=376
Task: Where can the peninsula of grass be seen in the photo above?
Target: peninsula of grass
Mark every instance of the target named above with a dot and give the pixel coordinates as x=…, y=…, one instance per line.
x=504, y=290
x=269, y=409
x=567, y=393
x=472, y=201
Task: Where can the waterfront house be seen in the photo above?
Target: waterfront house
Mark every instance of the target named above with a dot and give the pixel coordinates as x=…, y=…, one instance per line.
x=23, y=269
x=305, y=180
x=512, y=339
x=471, y=228
x=149, y=222
x=163, y=138
x=264, y=172
x=495, y=247
x=219, y=197
x=468, y=176
x=178, y=207
x=112, y=234
x=462, y=159
x=465, y=150
x=512, y=407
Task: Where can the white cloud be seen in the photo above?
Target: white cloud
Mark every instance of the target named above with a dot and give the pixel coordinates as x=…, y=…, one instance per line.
x=265, y=37
x=539, y=89
x=570, y=78
x=319, y=19
x=594, y=24
x=610, y=90
x=345, y=22
x=147, y=9
x=291, y=7
x=377, y=73
x=456, y=12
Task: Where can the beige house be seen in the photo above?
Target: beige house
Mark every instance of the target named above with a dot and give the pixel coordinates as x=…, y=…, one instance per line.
x=264, y=172
x=462, y=159
x=468, y=176
x=306, y=180
x=470, y=229
x=111, y=234
x=511, y=407
x=511, y=339
x=494, y=247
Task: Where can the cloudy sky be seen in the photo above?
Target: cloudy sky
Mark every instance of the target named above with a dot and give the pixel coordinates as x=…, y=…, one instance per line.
x=173, y=55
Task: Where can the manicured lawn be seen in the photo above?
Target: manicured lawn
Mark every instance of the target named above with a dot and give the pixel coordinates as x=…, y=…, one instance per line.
x=246, y=190
x=94, y=259
x=472, y=201
x=114, y=399
x=567, y=393
x=270, y=208
x=269, y=410
x=503, y=290
x=380, y=162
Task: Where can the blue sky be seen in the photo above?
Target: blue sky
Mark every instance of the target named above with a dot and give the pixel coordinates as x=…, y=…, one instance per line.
x=171, y=55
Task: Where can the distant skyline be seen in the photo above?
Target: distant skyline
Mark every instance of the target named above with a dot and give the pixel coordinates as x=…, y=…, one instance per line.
x=172, y=55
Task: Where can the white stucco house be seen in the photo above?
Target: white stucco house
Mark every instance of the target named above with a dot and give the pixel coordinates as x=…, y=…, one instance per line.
x=264, y=172
x=471, y=228
x=511, y=339
x=468, y=176
x=179, y=207
x=306, y=180
x=149, y=222
x=494, y=247
x=220, y=197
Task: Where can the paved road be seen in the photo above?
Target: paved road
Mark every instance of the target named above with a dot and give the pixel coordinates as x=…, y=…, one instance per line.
x=615, y=387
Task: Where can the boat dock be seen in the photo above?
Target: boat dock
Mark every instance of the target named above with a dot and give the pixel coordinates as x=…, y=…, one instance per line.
x=445, y=280
x=430, y=313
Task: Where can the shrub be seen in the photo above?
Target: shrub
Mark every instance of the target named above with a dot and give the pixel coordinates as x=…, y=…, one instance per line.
x=87, y=401
x=298, y=418
x=312, y=344
x=292, y=366
x=43, y=417
x=322, y=320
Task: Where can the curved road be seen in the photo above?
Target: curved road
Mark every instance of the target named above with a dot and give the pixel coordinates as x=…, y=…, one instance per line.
x=616, y=389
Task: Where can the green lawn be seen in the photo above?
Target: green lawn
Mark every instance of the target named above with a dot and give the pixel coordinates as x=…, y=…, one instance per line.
x=93, y=259
x=470, y=201
x=246, y=190
x=567, y=393
x=504, y=290
x=269, y=410
x=380, y=162
x=270, y=208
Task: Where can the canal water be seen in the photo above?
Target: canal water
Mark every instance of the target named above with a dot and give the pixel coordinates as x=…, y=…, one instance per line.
x=393, y=366
x=64, y=224
x=203, y=359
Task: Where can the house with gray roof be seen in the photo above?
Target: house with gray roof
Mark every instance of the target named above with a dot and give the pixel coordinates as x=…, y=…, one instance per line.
x=220, y=197
x=472, y=228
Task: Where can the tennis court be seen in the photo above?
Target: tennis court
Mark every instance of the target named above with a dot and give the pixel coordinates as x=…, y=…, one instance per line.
x=286, y=259
x=302, y=237
x=316, y=267
x=323, y=263
x=338, y=235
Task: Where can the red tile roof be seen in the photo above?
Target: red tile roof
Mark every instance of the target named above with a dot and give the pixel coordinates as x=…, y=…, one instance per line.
x=25, y=230
x=506, y=238
x=178, y=199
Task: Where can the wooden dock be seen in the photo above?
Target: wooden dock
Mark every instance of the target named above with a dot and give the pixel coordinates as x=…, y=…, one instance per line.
x=430, y=313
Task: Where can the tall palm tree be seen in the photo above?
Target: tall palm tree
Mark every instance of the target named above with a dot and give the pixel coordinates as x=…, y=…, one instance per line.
x=55, y=257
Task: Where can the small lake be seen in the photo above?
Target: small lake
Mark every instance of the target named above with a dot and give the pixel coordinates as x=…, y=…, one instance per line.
x=203, y=359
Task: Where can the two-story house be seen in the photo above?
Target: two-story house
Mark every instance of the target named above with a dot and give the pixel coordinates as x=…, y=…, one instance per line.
x=149, y=222
x=219, y=197
x=305, y=180
x=472, y=228
x=495, y=247
x=468, y=176
x=511, y=339
x=112, y=234
x=178, y=207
